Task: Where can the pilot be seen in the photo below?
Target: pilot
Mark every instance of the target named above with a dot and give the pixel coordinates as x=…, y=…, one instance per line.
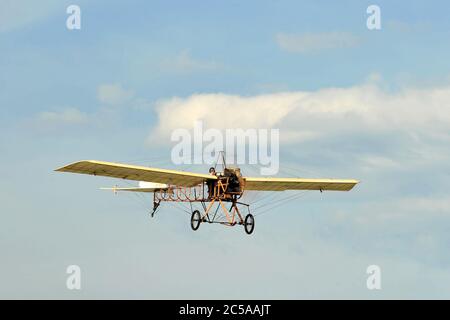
x=211, y=183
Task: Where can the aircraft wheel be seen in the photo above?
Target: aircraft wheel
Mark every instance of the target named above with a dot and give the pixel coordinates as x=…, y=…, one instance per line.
x=249, y=223
x=195, y=220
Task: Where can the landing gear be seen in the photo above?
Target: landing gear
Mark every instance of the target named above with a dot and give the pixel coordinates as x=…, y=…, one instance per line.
x=228, y=217
x=195, y=220
x=249, y=223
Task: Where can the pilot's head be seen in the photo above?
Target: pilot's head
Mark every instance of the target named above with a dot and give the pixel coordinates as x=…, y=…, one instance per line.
x=212, y=170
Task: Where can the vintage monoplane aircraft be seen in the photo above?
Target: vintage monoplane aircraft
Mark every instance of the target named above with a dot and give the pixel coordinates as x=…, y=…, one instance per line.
x=213, y=191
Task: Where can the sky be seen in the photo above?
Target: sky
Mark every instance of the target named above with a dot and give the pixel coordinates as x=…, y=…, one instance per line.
x=373, y=105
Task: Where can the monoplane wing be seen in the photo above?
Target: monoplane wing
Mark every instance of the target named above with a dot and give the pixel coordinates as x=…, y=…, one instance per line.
x=282, y=184
x=139, y=173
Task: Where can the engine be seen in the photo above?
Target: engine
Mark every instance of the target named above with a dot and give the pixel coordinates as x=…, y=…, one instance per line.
x=235, y=180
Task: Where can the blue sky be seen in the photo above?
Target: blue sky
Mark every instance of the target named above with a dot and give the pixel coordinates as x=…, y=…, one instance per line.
x=370, y=105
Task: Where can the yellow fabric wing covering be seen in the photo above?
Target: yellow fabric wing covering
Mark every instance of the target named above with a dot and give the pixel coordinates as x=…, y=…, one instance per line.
x=282, y=184
x=138, y=173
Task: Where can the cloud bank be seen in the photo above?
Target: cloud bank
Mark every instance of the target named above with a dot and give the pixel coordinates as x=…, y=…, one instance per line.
x=312, y=115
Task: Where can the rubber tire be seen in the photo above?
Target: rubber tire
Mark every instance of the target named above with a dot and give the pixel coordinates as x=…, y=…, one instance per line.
x=195, y=220
x=249, y=226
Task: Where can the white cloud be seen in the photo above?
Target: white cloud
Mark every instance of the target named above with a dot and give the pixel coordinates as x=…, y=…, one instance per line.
x=437, y=205
x=70, y=116
x=184, y=62
x=312, y=42
x=316, y=114
x=223, y=111
x=17, y=14
x=114, y=94
x=408, y=27
x=370, y=162
x=111, y=95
